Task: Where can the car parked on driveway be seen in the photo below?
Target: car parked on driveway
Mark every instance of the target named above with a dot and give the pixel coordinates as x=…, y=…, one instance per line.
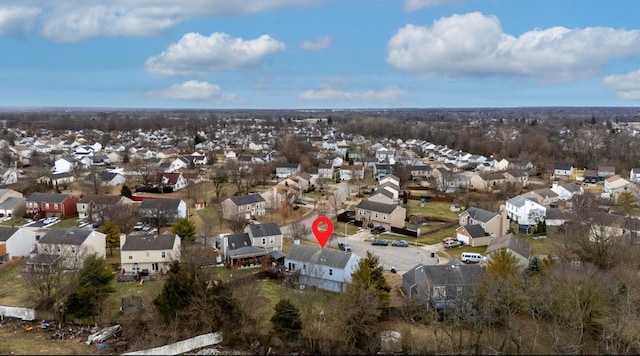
x=378, y=230
x=344, y=246
x=452, y=243
x=400, y=243
x=380, y=243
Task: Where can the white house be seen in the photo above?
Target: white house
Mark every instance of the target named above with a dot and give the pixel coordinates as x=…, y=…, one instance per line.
x=567, y=191
x=525, y=211
x=15, y=242
x=64, y=165
x=322, y=268
x=634, y=175
x=67, y=247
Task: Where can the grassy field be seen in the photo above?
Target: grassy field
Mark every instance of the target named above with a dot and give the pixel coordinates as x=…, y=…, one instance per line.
x=438, y=209
x=13, y=291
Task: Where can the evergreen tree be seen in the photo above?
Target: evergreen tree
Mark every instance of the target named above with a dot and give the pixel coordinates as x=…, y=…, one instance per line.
x=113, y=235
x=185, y=228
x=126, y=191
x=93, y=286
x=286, y=321
x=370, y=275
x=176, y=293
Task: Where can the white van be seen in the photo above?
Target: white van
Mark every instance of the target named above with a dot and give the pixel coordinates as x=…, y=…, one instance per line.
x=472, y=257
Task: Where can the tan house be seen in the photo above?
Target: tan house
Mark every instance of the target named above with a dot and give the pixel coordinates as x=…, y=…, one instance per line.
x=153, y=253
x=544, y=196
x=494, y=224
x=267, y=235
x=67, y=248
x=92, y=207
x=380, y=214
x=519, y=248
x=246, y=205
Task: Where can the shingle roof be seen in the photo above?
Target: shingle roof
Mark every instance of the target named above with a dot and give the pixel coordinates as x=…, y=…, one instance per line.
x=47, y=197
x=480, y=214
x=235, y=241
x=512, y=242
x=320, y=256
x=266, y=229
x=100, y=199
x=70, y=236
x=6, y=232
x=375, y=206
x=247, y=251
x=149, y=242
x=474, y=230
x=161, y=203
x=247, y=199
x=11, y=202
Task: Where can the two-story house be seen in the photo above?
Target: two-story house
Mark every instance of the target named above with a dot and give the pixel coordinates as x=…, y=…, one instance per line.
x=64, y=165
x=562, y=171
x=380, y=214
x=162, y=211
x=447, y=286
x=322, y=268
x=545, y=196
x=267, y=235
x=15, y=242
x=175, y=180
x=516, y=246
x=246, y=206
x=51, y=204
x=567, y=191
x=283, y=170
x=153, y=253
x=494, y=224
x=525, y=211
x=67, y=248
x=93, y=207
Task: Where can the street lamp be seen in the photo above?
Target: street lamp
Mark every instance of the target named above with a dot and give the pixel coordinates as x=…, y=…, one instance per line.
x=345, y=226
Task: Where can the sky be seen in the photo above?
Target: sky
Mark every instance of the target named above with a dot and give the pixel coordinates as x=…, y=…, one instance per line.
x=319, y=54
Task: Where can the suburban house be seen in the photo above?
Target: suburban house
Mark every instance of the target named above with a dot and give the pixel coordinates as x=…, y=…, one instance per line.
x=64, y=165
x=512, y=243
x=239, y=253
x=525, y=211
x=372, y=213
x=12, y=206
x=614, y=186
x=382, y=169
x=6, y=193
x=16, y=242
x=267, y=235
x=492, y=223
x=8, y=176
x=174, y=180
x=442, y=286
x=246, y=205
x=163, y=211
x=325, y=172
x=567, y=191
x=562, y=171
x=634, y=175
x=473, y=235
x=67, y=247
x=105, y=178
x=153, y=253
x=351, y=172
x=382, y=195
x=92, y=207
x=57, y=179
x=487, y=182
x=605, y=172
x=283, y=170
x=51, y=204
x=544, y=196
x=322, y=268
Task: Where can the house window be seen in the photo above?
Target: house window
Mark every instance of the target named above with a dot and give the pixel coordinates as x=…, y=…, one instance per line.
x=55, y=206
x=439, y=292
x=58, y=249
x=147, y=253
x=459, y=290
x=73, y=249
x=46, y=205
x=164, y=254
x=130, y=257
x=376, y=215
x=272, y=240
x=264, y=241
x=304, y=267
x=154, y=267
x=384, y=217
x=330, y=272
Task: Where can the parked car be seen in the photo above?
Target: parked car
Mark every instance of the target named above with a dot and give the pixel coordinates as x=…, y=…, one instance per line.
x=378, y=230
x=344, y=246
x=400, y=243
x=380, y=243
x=452, y=243
x=139, y=225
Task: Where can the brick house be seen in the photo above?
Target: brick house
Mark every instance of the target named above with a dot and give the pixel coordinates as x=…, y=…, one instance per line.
x=52, y=204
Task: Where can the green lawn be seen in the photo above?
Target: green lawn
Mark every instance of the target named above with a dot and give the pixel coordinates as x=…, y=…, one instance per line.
x=438, y=209
x=13, y=291
x=15, y=221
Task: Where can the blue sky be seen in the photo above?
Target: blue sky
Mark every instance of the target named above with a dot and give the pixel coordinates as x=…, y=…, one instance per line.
x=319, y=54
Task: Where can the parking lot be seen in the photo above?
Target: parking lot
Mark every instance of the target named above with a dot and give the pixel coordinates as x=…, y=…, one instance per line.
x=402, y=258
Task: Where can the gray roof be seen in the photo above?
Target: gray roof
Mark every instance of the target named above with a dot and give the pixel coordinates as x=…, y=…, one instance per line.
x=553, y=214
x=6, y=232
x=475, y=230
x=70, y=236
x=149, y=242
x=518, y=201
x=451, y=274
x=235, y=241
x=277, y=254
x=266, y=229
x=100, y=199
x=571, y=187
x=160, y=203
x=47, y=197
x=248, y=251
x=384, y=192
x=545, y=192
x=319, y=256
x=11, y=202
x=562, y=166
x=511, y=241
x=287, y=165
x=375, y=206
x=480, y=214
x=247, y=199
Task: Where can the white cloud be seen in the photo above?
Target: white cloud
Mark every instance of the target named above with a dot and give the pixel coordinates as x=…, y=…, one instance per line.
x=197, y=91
x=74, y=20
x=473, y=45
x=624, y=86
x=413, y=5
x=318, y=43
x=337, y=89
x=196, y=54
x=17, y=18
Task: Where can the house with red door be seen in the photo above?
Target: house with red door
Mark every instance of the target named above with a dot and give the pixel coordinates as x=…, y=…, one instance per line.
x=52, y=204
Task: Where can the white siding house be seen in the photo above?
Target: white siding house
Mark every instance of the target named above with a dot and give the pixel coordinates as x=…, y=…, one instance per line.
x=322, y=268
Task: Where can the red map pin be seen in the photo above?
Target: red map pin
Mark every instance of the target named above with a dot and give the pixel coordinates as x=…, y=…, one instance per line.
x=322, y=235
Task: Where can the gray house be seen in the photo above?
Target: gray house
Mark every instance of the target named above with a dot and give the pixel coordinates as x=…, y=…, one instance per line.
x=442, y=286
x=322, y=268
